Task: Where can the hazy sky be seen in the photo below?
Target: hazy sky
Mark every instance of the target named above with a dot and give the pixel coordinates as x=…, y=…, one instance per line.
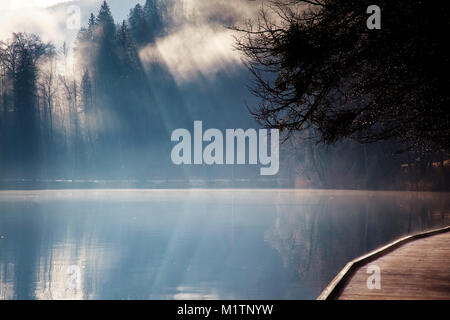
x=9, y=4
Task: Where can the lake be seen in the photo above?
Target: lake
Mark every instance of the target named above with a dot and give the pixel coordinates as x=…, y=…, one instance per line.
x=197, y=244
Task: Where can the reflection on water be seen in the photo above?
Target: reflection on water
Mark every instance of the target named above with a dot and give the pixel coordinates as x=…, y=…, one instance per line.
x=196, y=244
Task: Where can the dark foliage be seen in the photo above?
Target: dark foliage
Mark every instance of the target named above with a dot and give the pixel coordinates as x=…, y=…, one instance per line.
x=317, y=65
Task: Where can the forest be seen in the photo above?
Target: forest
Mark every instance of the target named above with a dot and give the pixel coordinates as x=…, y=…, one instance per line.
x=100, y=114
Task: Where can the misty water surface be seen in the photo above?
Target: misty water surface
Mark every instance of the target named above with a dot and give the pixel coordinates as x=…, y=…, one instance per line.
x=196, y=244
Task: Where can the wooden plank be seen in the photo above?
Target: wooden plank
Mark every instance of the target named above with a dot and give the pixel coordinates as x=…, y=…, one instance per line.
x=413, y=267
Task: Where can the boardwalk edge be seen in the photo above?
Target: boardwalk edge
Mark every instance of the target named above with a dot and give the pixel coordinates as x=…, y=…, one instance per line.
x=337, y=284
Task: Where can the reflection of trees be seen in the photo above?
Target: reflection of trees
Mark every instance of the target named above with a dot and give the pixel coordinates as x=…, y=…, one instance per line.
x=319, y=236
x=137, y=250
x=30, y=270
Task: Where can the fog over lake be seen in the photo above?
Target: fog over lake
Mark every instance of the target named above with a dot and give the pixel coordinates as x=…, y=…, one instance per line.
x=196, y=244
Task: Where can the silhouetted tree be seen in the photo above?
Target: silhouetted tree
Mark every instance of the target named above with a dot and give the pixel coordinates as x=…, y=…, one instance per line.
x=20, y=57
x=48, y=87
x=153, y=11
x=139, y=26
x=146, y=22
x=92, y=22
x=317, y=65
x=105, y=21
x=87, y=91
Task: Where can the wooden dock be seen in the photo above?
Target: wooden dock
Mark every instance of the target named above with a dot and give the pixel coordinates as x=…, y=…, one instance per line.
x=413, y=267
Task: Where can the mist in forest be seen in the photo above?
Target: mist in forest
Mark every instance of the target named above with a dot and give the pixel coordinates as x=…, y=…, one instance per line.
x=96, y=106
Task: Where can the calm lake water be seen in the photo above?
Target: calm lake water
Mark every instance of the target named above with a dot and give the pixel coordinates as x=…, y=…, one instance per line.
x=196, y=244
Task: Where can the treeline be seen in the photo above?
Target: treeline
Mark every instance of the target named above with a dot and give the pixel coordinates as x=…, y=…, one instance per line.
x=351, y=165
x=67, y=115
x=97, y=113
x=319, y=72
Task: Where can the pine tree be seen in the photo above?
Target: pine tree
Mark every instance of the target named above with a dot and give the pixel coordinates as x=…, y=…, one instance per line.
x=126, y=46
x=86, y=91
x=105, y=59
x=87, y=34
x=92, y=22
x=153, y=16
x=105, y=21
x=140, y=29
x=21, y=56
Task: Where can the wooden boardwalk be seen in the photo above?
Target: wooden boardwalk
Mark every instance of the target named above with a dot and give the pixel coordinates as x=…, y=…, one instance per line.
x=414, y=267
